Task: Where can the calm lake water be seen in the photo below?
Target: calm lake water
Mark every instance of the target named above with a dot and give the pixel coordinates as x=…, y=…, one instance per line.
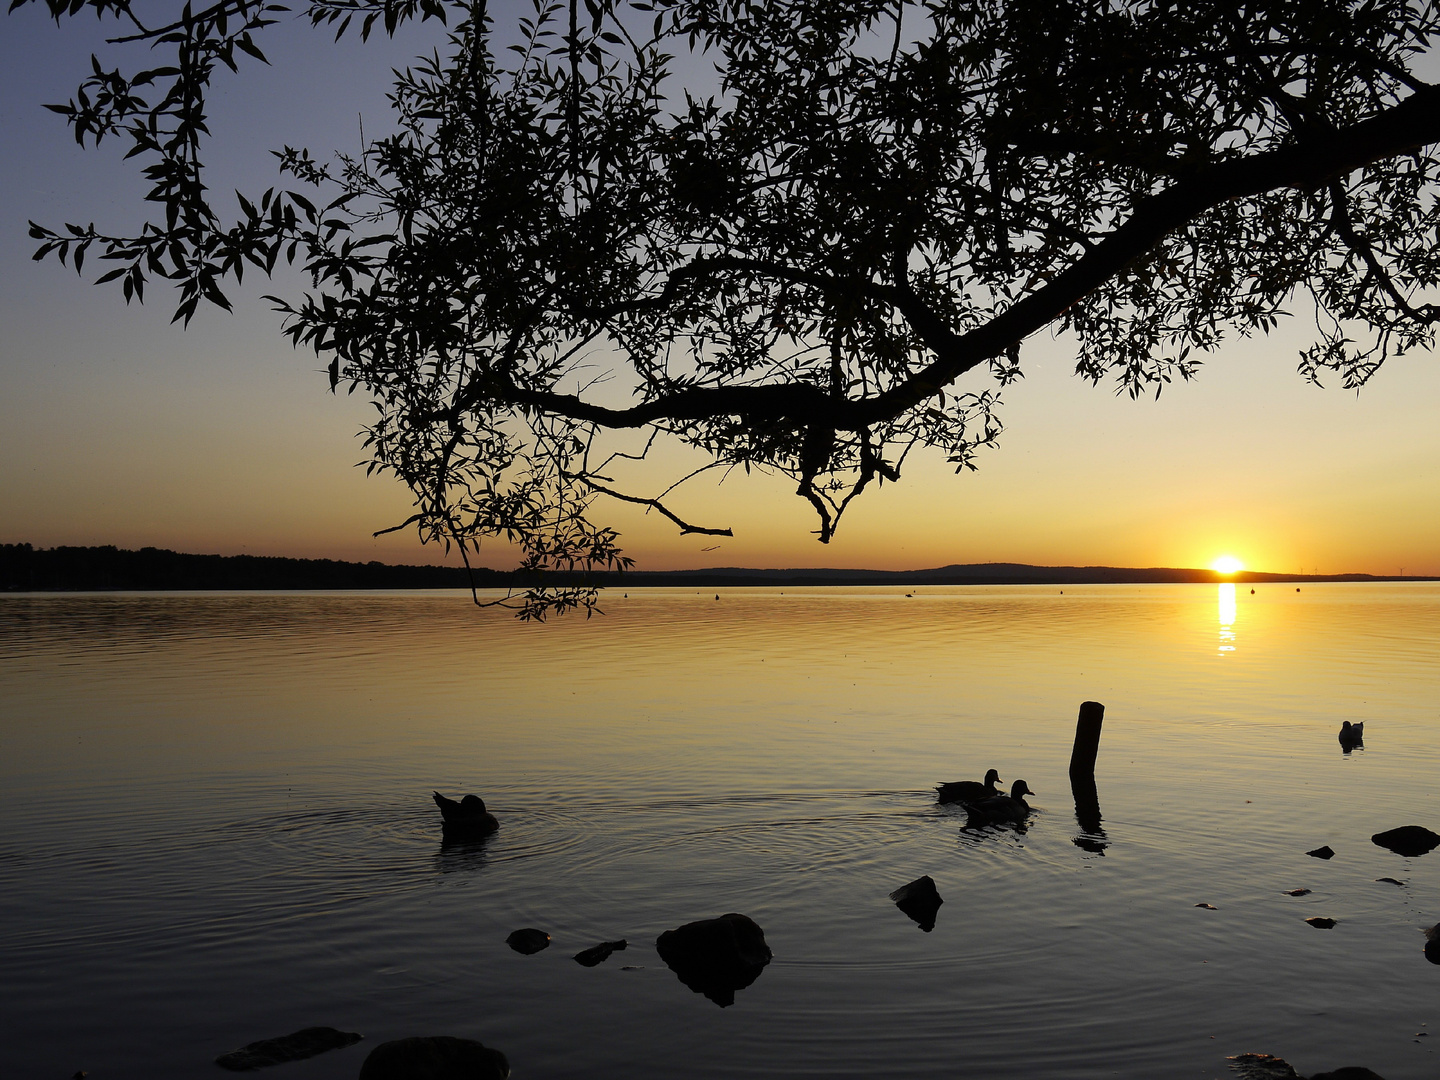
x=218, y=828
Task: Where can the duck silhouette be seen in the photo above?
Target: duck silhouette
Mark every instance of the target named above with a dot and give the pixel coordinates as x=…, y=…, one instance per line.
x=1352, y=735
x=467, y=815
x=969, y=791
x=1009, y=809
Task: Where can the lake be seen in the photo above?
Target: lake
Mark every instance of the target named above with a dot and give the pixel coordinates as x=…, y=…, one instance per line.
x=218, y=828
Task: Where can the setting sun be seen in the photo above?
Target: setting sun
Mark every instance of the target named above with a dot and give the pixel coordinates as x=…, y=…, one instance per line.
x=1227, y=564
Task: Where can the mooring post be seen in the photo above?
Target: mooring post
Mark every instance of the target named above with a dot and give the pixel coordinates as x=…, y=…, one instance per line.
x=1087, y=740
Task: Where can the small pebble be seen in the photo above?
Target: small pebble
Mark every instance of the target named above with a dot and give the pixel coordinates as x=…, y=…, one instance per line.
x=1391, y=881
x=1208, y=907
x=1320, y=922
x=1326, y=852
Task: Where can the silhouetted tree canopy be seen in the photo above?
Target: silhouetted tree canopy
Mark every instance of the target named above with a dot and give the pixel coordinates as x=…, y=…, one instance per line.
x=789, y=261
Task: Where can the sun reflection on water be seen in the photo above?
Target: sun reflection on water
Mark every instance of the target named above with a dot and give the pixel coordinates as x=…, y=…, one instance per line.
x=1227, y=618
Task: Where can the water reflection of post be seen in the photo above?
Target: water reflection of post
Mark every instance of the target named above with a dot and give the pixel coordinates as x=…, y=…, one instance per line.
x=1082, y=778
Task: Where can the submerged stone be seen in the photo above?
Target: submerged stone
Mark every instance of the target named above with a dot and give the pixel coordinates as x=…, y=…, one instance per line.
x=528, y=941
x=1208, y=907
x=716, y=957
x=598, y=953
x=1326, y=852
x=297, y=1046
x=1411, y=841
x=1320, y=922
x=1298, y=892
x=1269, y=1067
x=434, y=1057
x=920, y=900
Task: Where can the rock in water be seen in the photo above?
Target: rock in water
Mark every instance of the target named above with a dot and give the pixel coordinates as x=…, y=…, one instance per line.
x=528, y=941
x=1297, y=892
x=920, y=900
x=297, y=1046
x=1432, y=944
x=1320, y=922
x=1326, y=852
x=1408, y=840
x=434, y=1057
x=598, y=953
x=1263, y=1067
x=1268, y=1067
x=716, y=957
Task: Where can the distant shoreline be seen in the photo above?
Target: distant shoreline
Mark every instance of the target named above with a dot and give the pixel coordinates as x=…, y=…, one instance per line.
x=24, y=568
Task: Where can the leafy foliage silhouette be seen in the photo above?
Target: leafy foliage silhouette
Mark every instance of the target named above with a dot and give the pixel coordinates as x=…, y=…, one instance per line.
x=789, y=266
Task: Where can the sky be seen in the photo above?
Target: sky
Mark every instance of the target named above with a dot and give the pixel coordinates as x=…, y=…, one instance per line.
x=117, y=427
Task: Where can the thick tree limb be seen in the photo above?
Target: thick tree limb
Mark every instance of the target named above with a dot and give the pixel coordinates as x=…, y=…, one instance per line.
x=1405, y=127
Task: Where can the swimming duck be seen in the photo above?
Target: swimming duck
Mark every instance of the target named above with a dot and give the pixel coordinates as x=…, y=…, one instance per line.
x=1352, y=735
x=1003, y=809
x=968, y=791
x=469, y=814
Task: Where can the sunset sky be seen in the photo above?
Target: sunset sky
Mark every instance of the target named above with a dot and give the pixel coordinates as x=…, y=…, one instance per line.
x=119, y=428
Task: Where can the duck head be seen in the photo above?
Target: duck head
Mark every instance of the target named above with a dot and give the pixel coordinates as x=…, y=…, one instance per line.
x=992, y=778
x=1020, y=789
x=472, y=805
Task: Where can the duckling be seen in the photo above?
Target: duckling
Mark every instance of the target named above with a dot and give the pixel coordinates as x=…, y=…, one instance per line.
x=469, y=814
x=1352, y=735
x=969, y=791
x=1002, y=809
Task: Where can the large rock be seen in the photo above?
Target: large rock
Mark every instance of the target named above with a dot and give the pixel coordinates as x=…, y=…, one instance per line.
x=920, y=900
x=297, y=1046
x=1432, y=944
x=434, y=1057
x=716, y=957
x=1268, y=1067
x=1408, y=840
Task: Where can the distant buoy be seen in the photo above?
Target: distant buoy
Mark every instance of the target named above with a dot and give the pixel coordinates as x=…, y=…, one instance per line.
x=717, y=596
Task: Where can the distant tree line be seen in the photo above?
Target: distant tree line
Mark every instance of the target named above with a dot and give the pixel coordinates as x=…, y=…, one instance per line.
x=67, y=569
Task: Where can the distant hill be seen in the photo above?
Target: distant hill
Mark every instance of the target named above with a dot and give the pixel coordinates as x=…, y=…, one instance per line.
x=73, y=569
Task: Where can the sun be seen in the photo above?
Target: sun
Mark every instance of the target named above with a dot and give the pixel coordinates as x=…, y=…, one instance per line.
x=1227, y=564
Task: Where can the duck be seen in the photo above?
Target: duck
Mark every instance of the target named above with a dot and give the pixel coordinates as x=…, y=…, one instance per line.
x=969, y=791
x=1352, y=735
x=1002, y=809
x=468, y=815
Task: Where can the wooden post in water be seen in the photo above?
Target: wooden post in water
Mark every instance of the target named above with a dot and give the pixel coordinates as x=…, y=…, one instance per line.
x=1082, y=777
x=1087, y=740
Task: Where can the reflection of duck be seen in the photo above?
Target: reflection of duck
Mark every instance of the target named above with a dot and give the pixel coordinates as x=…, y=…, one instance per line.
x=1352, y=735
x=468, y=815
x=1003, y=809
x=969, y=790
